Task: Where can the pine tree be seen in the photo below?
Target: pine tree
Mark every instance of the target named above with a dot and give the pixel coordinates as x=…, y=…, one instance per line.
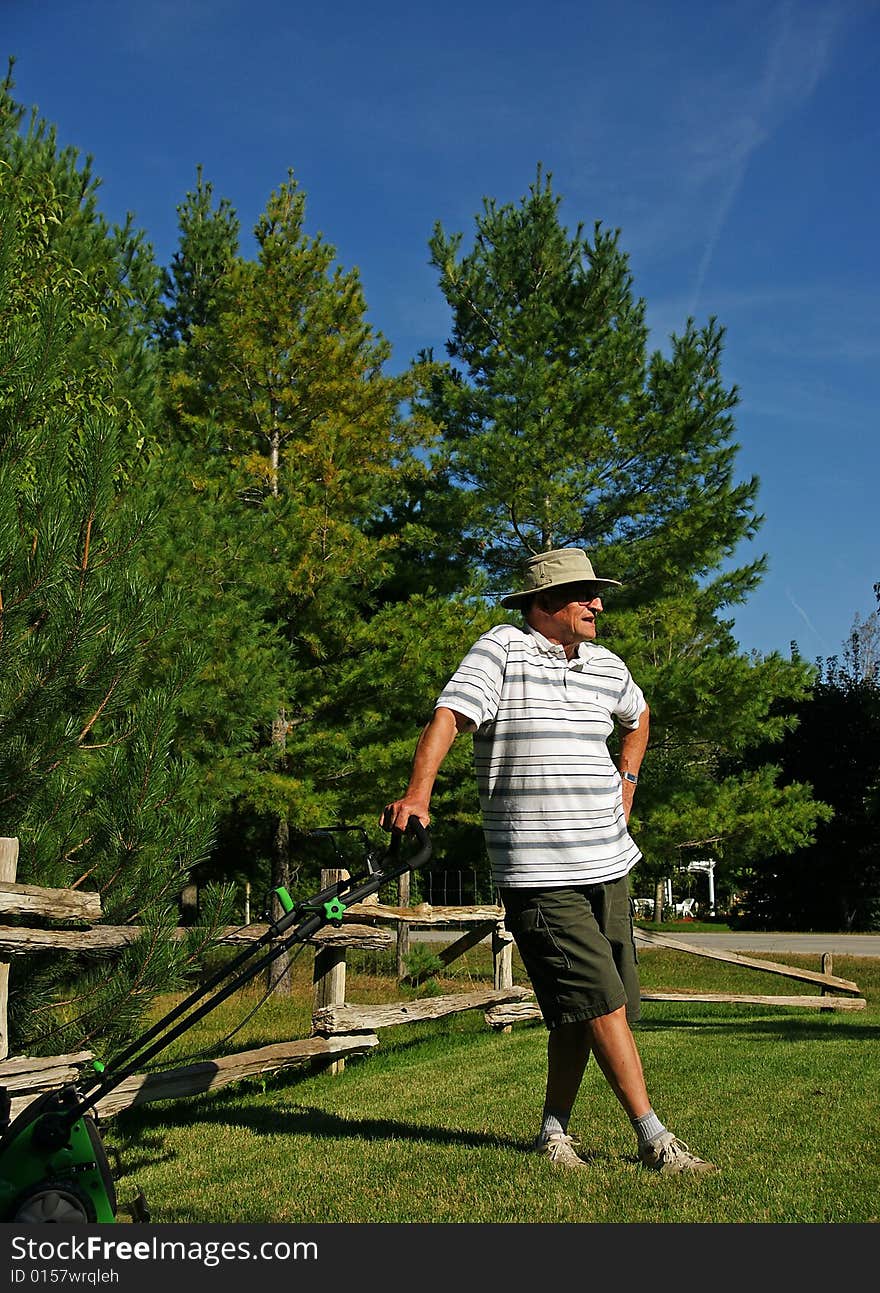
x=88, y=779
x=291, y=447
x=108, y=273
x=194, y=284
x=558, y=421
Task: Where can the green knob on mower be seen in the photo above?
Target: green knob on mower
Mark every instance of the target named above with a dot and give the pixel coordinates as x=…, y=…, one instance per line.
x=333, y=909
x=284, y=899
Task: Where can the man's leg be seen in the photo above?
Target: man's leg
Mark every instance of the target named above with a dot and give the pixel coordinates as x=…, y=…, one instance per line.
x=568, y=1050
x=617, y=1056
x=577, y=947
x=612, y=1042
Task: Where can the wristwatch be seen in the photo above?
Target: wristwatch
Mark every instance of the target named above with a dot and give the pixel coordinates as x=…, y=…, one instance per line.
x=629, y=776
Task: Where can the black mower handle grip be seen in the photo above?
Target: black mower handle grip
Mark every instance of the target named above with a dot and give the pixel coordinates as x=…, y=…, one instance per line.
x=423, y=839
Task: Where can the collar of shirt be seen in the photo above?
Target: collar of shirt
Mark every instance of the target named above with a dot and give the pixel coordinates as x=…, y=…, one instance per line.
x=557, y=651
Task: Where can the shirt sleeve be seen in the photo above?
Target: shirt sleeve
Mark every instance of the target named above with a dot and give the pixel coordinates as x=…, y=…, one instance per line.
x=630, y=703
x=474, y=690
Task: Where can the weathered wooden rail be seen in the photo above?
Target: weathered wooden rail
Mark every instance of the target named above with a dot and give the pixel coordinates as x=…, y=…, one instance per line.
x=837, y=993
x=825, y=980
x=356, y=1019
x=106, y=940
x=25, y=1077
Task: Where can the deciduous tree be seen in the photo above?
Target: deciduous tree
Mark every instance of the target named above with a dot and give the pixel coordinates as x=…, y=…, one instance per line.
x=833, y=882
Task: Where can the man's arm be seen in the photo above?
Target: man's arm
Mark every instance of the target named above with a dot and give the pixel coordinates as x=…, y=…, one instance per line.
x=633, y=744
x=433, y=746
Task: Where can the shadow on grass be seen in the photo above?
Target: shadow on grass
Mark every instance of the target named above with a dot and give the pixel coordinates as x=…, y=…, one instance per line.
x=787, y=1027
x=298, y=1120
x=137, y=1148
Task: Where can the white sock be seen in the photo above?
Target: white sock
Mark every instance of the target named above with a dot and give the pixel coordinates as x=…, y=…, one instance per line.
x=554, y=1124
x=648, y=1127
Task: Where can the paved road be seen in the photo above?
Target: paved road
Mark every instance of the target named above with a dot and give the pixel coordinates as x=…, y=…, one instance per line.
x=842, y=944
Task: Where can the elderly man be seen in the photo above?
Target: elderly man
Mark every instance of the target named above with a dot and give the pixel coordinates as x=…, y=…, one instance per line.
x=541, y=702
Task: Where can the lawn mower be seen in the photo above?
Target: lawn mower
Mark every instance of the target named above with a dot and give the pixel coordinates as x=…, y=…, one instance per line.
x=54, y=1166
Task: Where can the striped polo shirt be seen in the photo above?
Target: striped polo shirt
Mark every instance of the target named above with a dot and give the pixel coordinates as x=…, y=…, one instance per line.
x=549, y=791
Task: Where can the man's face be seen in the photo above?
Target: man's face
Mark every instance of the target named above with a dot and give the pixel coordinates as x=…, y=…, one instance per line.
x=571, y=612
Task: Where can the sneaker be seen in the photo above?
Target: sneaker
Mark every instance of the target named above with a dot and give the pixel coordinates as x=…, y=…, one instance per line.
x=560, y=1150
x=669, y=1155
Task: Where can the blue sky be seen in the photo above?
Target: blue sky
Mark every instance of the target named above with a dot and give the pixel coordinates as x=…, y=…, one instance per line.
x=733, y=142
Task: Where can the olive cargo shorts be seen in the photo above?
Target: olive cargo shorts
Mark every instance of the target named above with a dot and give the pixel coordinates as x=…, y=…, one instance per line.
x=578, y=949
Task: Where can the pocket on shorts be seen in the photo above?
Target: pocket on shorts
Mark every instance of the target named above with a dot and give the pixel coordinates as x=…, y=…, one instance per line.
x=534, y=937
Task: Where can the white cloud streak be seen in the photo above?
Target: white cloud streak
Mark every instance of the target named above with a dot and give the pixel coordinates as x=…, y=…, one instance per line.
x=797, y=58
x=809, y=623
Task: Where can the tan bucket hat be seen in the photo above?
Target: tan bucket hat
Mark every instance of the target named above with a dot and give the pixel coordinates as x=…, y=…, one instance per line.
x=551, y=569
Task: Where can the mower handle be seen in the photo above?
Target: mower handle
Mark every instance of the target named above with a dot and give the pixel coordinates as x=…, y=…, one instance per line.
x=423, y=839
x=302, y=920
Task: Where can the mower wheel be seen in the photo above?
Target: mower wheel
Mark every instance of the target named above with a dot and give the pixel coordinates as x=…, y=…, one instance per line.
x=53, y=1202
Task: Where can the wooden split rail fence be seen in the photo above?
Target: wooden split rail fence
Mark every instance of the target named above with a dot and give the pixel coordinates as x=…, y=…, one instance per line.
x=327, y=1047
x=339, y=1029
x=836, y=993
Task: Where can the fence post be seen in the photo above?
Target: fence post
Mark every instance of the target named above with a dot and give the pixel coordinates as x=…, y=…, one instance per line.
x=827, y=968
x=403, y=896
x=189, y=904
x=8, y=871
x=329, y=972
x=502, y=961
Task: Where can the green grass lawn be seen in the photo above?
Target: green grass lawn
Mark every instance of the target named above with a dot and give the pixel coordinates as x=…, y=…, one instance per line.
x=434, y=1125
